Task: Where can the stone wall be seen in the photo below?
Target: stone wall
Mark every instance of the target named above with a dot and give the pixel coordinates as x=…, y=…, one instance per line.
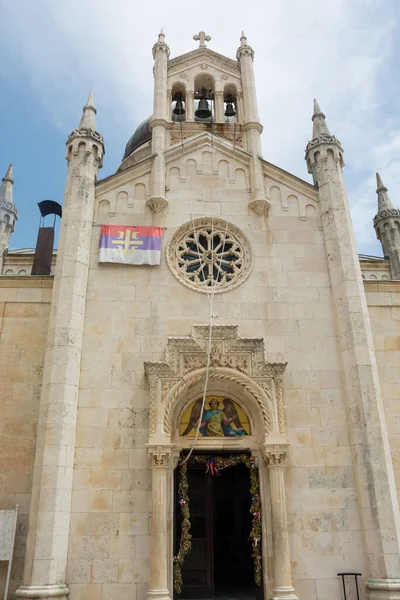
x=131, y=311
x=384, y=308
x=24, y=308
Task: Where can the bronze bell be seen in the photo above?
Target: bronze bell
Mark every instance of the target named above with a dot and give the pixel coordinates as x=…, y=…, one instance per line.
x=203, y=111
x=230, y=111
x=179, y=108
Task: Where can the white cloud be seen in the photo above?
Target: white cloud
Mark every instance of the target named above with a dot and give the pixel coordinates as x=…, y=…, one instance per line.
x=338, y=51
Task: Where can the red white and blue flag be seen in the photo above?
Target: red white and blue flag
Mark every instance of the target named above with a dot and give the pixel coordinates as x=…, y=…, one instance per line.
x=130, y=245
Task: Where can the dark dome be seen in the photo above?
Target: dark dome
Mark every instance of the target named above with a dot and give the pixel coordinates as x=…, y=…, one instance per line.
x=141, y=136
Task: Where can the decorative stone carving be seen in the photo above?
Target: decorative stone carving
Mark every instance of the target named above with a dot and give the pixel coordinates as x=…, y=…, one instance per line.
x=323, y=139
x=233, y=359
x=177, y=137
x=275, y=455
x=159, y=456
x=184, y=75
x=85, y=132
x=156, y=205
x=219, y=254
x=260, y=207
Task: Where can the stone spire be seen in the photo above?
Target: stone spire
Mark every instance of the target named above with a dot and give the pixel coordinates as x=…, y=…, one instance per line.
x=8, y=213
x=386, y=225
x=384, y=202
x=88, y=120
x=320, y=128
x=6, y=194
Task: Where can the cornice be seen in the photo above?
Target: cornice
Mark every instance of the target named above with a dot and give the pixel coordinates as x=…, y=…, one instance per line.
x=204, y=140
x=190, y=59
x=386, y=214
x=291, y=181
x=125, y=176
x=26, y=281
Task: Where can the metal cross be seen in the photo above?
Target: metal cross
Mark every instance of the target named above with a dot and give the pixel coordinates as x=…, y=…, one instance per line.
x=202, y=37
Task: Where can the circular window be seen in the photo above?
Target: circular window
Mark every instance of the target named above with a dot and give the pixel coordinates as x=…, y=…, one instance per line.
x=207, y=254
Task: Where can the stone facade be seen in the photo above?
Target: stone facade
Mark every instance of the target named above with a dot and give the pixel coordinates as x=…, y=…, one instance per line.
x=98, y=373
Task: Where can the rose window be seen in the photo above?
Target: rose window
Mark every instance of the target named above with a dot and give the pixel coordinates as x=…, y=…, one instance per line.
x=207, y=254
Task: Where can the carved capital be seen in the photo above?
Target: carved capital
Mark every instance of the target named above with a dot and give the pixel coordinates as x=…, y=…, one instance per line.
x=219, y=95
x=156, y=205
x=275, y=454
x=159, y=456
x=260, y=207
x=190, y=94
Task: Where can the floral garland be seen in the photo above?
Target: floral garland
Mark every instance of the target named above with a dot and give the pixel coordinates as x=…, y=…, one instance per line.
x=185, y=543
x=214, y=466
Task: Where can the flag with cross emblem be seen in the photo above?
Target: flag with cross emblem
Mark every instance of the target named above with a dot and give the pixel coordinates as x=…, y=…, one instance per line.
x=130, y=245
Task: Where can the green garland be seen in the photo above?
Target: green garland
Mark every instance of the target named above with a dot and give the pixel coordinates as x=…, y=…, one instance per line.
x=214, y=465
x=185, y=543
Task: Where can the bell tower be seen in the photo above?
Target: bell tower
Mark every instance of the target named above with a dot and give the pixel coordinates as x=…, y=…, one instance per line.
x=203, y=92
x=8, y=213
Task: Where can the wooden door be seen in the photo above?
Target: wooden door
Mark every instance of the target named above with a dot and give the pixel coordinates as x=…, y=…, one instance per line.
x=197, y=572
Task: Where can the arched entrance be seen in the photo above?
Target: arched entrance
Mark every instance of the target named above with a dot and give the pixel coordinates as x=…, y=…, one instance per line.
x=240, y=375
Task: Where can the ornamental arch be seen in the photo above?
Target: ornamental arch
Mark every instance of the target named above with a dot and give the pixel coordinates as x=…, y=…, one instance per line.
x=240, y=371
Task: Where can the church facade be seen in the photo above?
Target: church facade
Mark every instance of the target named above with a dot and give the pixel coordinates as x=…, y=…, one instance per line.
x=239, y=395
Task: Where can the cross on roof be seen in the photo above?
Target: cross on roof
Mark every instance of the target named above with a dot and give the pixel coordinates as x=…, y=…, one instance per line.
x=202, y=38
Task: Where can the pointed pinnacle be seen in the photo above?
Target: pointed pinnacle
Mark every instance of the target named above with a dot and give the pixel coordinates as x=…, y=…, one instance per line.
x=161, y=35
x=8, y=175
x=243, y=39
x=384, y=202
x=6, y=194
x=317, y=110
x=320, y=127
x=379, y=184
x=88, y=119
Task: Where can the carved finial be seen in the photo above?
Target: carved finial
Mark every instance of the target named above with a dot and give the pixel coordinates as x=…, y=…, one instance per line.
x=161, y=36
x=8, y=175
x=89, y=114
x=384, y=202
x=320, y=127
x=6, y=194
x=201, y=37
x=243, y=39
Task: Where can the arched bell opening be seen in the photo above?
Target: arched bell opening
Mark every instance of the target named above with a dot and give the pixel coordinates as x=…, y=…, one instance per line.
x=204, y=88
x=178, y=104
x=230, y=104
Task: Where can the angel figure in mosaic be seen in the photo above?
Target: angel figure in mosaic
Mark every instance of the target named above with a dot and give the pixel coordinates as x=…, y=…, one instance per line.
x=218, y=420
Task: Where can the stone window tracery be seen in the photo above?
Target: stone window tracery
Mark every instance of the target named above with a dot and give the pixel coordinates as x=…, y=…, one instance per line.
x=207, y=254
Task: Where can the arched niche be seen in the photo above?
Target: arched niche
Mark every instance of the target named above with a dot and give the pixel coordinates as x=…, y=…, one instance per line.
x=240, y=179
x=122, y=201
x=204, y=89
x=230, y=103
x=104, y=207
x=139, y=192
x=178, y=101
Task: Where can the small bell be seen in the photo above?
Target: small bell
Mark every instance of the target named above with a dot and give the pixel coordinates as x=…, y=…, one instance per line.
x=203, y=111
x=230, y=111
x=179, y=108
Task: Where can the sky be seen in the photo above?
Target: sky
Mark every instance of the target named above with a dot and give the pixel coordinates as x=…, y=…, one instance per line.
x=346, y=53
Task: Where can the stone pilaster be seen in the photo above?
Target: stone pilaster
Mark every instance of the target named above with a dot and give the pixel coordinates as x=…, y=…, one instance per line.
x=219, y=107
x=161, y=463
x=49, y=518
x=275, y=457
x=251, y=124
x=189, y=105
x=161, y=116
x=373, y=467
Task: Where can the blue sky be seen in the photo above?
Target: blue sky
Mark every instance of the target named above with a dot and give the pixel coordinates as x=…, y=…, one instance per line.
x=346, y=53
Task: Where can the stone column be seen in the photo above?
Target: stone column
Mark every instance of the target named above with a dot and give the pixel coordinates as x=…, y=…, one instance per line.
x=219, y=107
x=252, y=126
x=372, y=462
x=189, y=105
x=275, y=457
x=50, y=509
x=161, y=463
x=160, y=120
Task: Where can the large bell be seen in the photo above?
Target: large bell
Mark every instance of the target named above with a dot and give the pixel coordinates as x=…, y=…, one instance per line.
x=230, y=111
x=203, y=111
x=179, y=108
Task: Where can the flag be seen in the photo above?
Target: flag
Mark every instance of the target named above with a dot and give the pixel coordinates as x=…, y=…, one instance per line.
x=130, y=245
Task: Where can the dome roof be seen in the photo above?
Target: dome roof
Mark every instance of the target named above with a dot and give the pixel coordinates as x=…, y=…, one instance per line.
x=141, y=136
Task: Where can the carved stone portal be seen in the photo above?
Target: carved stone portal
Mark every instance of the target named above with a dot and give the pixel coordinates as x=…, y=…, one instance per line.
x=233, y=360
